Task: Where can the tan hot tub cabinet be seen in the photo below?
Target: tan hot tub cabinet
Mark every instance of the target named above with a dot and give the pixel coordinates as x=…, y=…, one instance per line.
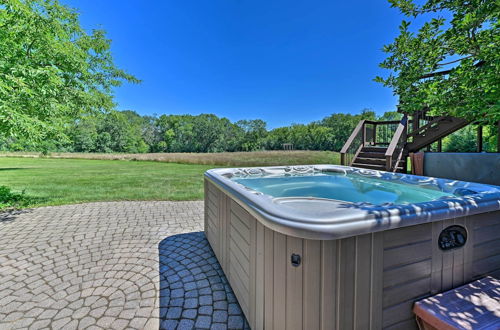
x=368, y=281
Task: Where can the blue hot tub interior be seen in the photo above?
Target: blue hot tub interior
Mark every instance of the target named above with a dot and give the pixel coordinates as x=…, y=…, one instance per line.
x=345, y=187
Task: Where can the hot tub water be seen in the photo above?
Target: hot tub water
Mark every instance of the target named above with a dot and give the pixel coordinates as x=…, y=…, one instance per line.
x=345, y=187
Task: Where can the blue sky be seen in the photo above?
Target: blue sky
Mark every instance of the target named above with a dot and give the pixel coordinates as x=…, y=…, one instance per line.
x=281, y=61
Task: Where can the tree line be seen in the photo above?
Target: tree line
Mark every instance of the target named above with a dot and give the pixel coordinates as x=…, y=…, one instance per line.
x=129, y=132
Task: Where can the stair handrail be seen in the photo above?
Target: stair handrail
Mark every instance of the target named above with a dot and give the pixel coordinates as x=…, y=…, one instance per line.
x=395, y=150
x=427, y=126
x=360, y=129
x=426, y=136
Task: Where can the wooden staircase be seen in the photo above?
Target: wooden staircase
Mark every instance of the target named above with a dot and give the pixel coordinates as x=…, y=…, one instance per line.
x=374, y=158
x=435, y=130
x=385, y=145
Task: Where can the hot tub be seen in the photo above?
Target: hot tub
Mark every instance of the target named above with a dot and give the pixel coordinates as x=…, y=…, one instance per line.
x=336, y=247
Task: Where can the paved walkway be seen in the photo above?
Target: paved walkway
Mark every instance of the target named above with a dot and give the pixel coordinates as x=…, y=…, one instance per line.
x=112, y=265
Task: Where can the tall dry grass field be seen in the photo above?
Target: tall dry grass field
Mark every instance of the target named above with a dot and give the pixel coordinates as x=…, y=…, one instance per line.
x=256, y=158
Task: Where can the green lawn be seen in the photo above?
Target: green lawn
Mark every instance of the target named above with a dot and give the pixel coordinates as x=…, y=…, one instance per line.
x=67, y=181
x=52, y=181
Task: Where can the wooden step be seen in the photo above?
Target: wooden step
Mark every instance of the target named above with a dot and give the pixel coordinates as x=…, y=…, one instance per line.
x=371, y=154
x=374, y=149
x=375, y=161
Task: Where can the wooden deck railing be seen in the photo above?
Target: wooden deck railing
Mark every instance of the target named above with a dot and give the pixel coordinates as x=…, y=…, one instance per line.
x=431, y=124
x=394, y=153
x=353, y=145
x=400, y=137
x=433, y=131
x=384, y=131
x=367, y=133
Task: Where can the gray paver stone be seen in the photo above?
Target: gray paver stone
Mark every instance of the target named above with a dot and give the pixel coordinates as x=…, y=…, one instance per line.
x=113, y=265
x=203, y=322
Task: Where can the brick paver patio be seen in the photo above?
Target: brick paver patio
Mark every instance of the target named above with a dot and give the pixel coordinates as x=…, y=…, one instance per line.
x=112, y=265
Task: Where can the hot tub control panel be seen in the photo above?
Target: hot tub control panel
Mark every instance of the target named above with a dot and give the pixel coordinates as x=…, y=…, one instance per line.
x=295, y=259
x=452, y=237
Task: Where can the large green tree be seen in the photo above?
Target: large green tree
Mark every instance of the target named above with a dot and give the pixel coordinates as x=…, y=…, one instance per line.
x=450, y=63
x=51, y=69
x=254, y=132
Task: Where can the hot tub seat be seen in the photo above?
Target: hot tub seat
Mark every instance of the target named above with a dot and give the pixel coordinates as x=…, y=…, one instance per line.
x=472, y=306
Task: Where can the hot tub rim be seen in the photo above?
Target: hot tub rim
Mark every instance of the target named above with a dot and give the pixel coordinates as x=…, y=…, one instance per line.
x=356, y=221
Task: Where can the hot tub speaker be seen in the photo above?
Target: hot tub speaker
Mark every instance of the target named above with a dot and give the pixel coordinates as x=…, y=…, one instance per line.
x=452, y=237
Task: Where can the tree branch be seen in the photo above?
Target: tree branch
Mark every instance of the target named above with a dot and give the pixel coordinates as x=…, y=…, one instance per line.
x=455, y=61
x=445, y=72
x=28, y=50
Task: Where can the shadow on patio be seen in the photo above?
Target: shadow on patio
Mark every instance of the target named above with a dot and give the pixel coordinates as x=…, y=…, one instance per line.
x=194, y=292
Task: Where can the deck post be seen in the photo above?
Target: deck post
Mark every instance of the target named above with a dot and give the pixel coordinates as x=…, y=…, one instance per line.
x=479, y=138
x=440, y=145
x=388, y=163
x=416, y=121
x=363, y=135
x=498, y=137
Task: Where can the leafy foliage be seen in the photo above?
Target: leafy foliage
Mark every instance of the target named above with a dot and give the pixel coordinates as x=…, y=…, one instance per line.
x=128, y=132
x=9, y=199
x=51, y=69
x=252, y=134
x=450, y=64
x=115, y=131
x=465, y=140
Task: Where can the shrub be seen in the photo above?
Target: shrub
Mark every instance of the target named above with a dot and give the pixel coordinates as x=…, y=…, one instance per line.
x=10, y=199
